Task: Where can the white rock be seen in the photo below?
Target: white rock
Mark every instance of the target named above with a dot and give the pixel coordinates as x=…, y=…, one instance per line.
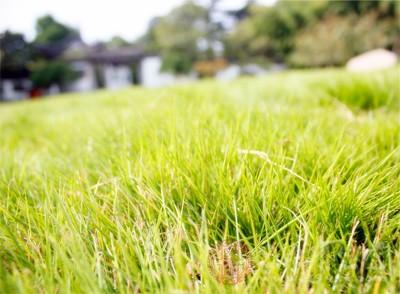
x=372, y=60
x=229, y=73
x=253, y=70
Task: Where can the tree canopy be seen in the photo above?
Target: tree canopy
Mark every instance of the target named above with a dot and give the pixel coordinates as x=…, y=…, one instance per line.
x=315, y=33
x=47, y=71
x=50, y=30
x=176, y=36
x=14, y=54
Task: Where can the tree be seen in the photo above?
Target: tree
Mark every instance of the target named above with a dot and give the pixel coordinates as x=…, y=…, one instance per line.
x=347, y=28
x=269, y=32
x=58, y=72
x=49, y=30
x=177, y=36
x=384, y=8
x=386, y=14
x=333, y=41
x=149, y=40
x=15, y=54
x=51, y=40
x=304, y=33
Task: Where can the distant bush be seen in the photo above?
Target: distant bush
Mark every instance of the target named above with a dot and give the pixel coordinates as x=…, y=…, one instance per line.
x=47, y=73
x=333, y=41
x=208, y=68
x=177, y=63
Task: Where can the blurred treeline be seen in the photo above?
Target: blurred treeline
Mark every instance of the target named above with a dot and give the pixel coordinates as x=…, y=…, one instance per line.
x=316, y=33
x=295, y=33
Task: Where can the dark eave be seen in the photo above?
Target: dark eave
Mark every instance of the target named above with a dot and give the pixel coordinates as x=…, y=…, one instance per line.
x=14, y=74
x=120, y=55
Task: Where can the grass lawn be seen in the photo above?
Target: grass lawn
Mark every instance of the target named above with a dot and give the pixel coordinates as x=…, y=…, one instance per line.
x=138, y=190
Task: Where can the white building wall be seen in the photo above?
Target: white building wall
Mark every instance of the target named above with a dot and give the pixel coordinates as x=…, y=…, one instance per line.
x=87, y=81
x=229, y=73
x=117, y=76
x=151, y=75
x=9, y=93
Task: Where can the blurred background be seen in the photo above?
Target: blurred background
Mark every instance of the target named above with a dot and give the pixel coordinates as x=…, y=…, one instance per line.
x=48, y=47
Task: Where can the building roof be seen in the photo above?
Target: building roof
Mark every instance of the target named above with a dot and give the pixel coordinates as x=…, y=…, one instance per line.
x=14, y=74
x=119, y=55
x=55, y=49
x=99, y=53
x=72, y=48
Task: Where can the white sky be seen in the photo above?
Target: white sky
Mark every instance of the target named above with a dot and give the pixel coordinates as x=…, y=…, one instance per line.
x=96, y=19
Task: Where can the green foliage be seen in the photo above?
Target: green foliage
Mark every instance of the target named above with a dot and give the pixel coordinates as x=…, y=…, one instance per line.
x=46, y=73
x=334, y=40
x=117, y=192
x=363, y=91
x=385, y=8
x=316, y=33
x=176, y=36
x=181, y=28
x=50, y=30
x=176, y=62
x=269, y=32
x=149, y=40
x=15, y=52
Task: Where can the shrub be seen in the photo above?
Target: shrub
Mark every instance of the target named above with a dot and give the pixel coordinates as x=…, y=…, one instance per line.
x=177, y=63
x=208, y=68
x=44, y=74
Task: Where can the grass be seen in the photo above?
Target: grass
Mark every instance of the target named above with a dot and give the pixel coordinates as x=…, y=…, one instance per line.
x=117, y=192
x=364, y=91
